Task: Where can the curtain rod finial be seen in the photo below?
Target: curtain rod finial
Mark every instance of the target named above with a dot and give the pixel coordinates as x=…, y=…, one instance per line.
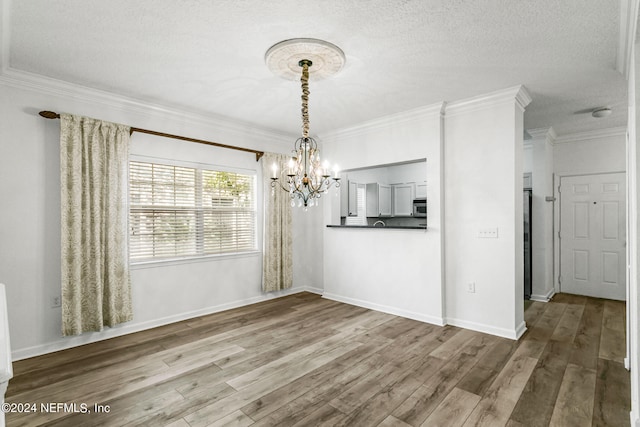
x=49, y=115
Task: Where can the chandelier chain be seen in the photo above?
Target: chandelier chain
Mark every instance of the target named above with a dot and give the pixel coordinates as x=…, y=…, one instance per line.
x=305, y=99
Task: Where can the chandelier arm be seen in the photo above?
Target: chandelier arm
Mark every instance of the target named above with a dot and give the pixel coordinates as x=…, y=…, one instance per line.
x=276, y=182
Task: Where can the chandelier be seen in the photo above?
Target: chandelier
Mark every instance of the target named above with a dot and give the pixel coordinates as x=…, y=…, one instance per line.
x=306, y=178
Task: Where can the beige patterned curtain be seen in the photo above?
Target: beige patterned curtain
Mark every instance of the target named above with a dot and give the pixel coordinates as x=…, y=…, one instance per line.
x=277, y=258
x=96, y=291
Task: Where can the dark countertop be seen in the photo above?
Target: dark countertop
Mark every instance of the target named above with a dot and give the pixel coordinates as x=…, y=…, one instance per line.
x=392, y=227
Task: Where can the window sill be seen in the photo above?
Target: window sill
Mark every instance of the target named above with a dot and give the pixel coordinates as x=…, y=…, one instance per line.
x=190, y=260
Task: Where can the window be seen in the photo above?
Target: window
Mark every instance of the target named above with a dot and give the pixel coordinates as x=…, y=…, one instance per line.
x=177, y=211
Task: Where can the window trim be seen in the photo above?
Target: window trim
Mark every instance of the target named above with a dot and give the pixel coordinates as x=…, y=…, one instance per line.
x=188, y=259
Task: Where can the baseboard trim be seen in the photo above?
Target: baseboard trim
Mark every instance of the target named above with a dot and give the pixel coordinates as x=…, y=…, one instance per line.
x=386, y=309
x=69, y=342
x=543, y=297
x=512, y=334
x=521, y=329
x=313, y=290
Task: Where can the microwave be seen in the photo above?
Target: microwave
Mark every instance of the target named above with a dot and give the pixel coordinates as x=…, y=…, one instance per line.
x=420, y=207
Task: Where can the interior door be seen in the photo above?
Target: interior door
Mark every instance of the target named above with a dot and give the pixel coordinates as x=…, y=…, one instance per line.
x=592, y=235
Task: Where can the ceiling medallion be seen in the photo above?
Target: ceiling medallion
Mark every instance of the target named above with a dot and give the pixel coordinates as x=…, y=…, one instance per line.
x=283, y=58
x=305, y=178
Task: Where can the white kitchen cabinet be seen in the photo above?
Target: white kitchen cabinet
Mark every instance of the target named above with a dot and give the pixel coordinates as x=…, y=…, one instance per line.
x=402, y=197
x=353, y=198
x=421, y=189
x=378, y=200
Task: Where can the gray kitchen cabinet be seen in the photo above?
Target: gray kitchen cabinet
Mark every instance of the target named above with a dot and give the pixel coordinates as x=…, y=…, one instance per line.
x=378, y=200
x=353, y=198
x=402, y=196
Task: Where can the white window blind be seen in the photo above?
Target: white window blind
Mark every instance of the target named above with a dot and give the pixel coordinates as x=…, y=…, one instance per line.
x=177, y=211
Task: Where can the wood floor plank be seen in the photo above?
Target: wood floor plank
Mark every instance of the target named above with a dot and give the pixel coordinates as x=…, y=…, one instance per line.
x=479, y=379
x=612, y=401
x=308, y=361
x=537, y=399
x=325, y=416
x=34, y=378
x=274, y=367
x=385, y=400
x=177, y=423
x=586, y=344
x=234, y=419
x=448, y=349
x=612, y=342
x=533, y=312
x=124, y=403
x=202, y=355
x=366, y=321
x=395, y=327
x=316, y=389
x=496, y=405
x=269, y=349
x=568, y=324
x=209, y=395
x=392, y=421
x=366, y=388
x=417, y=407
x=418, y=341
x=320, y=383
x=453, y=410
x=569, y=299
x=123, y=412
x=239, y=399
x=574, y=405
x=542, y=329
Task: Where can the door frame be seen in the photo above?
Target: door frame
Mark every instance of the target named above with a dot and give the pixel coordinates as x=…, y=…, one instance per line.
x=557, y=182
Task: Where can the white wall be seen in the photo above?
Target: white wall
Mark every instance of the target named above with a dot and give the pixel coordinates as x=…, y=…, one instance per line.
x=483, y=189
x=590, y=153
x=30, y=215
x=527, y=159
x=396, y=271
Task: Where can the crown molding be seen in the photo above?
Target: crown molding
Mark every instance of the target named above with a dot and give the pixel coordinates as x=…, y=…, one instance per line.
x=592, y=134
x=519, y=94
x=627, y=36
x=546, y=133
x=41, y=84
x=432, y=110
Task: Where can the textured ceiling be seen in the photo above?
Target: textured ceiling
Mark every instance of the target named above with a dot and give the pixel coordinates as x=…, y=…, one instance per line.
x=208, y=55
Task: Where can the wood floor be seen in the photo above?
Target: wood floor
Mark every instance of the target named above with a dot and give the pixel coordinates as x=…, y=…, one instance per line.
x=306, y=361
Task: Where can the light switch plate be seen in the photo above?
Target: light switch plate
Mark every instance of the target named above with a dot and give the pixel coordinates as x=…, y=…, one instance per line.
x=488, y=233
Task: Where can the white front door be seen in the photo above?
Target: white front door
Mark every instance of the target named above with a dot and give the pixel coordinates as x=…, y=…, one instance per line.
x=592, y=235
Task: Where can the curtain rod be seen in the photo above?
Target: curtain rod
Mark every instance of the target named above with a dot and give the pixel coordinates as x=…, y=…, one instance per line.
x=259, y=154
